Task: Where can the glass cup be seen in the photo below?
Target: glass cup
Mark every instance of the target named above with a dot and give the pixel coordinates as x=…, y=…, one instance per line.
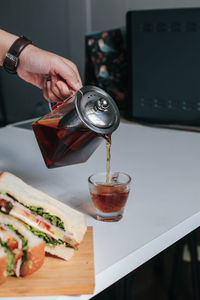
x=109, y=198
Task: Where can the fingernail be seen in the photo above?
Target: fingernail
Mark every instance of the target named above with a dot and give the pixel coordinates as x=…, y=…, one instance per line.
x=78, y=86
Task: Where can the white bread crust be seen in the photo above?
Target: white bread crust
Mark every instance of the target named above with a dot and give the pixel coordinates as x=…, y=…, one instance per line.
x=61, y=251
x=74, y=221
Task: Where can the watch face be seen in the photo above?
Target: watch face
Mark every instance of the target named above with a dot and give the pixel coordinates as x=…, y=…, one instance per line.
x=10, y=63
x=13, y=59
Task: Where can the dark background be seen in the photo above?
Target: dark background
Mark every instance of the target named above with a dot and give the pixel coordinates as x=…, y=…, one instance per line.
x=60, y=26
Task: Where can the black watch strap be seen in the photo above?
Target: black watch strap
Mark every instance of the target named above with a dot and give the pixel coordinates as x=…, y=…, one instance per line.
x=11, y=59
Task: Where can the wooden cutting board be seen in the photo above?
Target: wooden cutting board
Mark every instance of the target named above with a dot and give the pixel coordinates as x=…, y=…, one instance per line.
x=56, y=276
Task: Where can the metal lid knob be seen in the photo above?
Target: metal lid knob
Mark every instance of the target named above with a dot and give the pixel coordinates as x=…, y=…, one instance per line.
x=97, y=110
x=102, y=104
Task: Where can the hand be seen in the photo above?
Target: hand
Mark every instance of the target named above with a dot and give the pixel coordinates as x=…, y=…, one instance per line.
x=57, y=76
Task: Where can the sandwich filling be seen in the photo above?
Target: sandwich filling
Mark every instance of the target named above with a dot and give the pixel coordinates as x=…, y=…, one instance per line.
x=15, y=246
x=41, y=223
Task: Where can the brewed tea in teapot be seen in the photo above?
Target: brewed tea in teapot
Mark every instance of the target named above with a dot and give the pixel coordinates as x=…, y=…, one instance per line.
x=73, y=130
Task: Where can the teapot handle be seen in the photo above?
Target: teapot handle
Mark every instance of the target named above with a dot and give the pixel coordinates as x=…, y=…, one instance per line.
x=53, y=105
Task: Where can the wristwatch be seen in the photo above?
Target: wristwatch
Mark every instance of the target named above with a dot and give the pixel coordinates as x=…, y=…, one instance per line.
x=11, y=59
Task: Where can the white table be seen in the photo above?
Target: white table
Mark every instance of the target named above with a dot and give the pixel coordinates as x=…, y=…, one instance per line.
x=163, y=206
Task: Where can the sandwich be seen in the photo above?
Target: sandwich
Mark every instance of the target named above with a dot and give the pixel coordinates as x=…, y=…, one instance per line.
x=22, y=253
x=61, y=227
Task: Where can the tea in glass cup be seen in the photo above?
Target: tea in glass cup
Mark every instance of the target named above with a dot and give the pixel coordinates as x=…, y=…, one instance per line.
x=109, y=198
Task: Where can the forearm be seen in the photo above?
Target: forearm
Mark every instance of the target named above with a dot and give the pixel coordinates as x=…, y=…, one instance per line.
x=6, y=40
x=36, y=66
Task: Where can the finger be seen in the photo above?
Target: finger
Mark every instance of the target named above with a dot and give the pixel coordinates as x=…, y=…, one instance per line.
x=60, y=88
x=69, y=75
x=49, y=93
x=44, y=90
x=45, y=95
x=64, y=91
x=74, y=67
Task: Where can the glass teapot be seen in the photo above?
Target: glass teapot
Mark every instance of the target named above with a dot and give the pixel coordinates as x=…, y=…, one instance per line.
x=72, y=131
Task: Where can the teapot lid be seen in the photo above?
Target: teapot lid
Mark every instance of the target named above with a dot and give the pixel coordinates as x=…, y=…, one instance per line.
x=97, y=109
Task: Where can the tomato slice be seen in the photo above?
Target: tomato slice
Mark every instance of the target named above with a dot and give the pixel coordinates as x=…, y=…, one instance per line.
x=2, y=228
x=18, y=253
x=12, y=243
x=43, y=224
x=2, y=202
x=25, y=213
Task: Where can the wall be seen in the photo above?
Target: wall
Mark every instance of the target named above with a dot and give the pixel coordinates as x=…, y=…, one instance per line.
x=46, y=23
x=60, y=26
x=112, y=13
x=98, y=15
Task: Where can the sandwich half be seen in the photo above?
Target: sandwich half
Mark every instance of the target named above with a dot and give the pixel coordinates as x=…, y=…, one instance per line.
x=61, y=227
x=24, y=251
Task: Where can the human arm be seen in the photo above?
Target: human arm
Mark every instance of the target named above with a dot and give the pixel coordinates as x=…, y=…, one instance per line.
x=57, y=76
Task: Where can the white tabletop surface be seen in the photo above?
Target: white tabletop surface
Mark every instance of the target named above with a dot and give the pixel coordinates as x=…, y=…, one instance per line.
x=163, y=206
